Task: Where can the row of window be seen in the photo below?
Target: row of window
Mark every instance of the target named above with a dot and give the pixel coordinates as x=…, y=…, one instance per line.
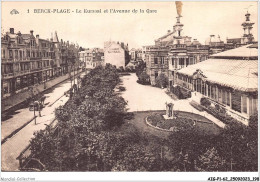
x=220, y=95
x=161, y=59
x=21, y=54
x=9, y=68
x=182, y=61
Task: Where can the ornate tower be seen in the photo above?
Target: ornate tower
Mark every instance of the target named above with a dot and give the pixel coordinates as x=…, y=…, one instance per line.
x=177, y=29
x=247, y=26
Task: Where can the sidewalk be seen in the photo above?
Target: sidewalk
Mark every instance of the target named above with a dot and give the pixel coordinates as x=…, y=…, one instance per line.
x=15, y=145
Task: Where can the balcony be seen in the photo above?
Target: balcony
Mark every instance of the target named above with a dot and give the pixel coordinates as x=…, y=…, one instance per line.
x=154, y=49
x=20, y=73
x=179, y=46
x=8, y=75
x=7, y=60
x=200, y=47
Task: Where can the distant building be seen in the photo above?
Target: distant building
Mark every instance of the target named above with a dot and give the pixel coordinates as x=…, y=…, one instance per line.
x=116, y=53
x=215, y=44
x=229, y=79
x=92, y=57
x=135, y=57
x=247, y=37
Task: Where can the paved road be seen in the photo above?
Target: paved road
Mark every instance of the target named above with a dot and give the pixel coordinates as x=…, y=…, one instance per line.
x=145, y=98
x=14, y=145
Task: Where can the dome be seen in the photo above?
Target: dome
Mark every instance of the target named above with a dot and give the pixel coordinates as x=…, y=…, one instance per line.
x=213, y=39
x=195, y=42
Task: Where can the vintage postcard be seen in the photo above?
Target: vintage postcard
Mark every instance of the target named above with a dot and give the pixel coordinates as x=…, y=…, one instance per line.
x=125, y=87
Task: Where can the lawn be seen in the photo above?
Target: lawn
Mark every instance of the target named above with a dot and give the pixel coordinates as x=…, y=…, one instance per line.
x=183, y=121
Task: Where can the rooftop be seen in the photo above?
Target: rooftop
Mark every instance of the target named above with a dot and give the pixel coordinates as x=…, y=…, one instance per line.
x=237, y=74
x=240, y=52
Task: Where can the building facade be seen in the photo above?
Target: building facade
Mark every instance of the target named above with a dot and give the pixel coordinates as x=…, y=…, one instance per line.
x=135, y=57
x=92, y=58
x=28, y=60
x=116, y=54
x=229, y=79
x=172, y=52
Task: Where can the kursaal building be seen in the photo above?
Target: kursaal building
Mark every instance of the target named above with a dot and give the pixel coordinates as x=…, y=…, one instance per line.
x=228, y=78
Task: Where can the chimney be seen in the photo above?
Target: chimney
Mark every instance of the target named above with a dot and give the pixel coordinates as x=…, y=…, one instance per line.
x=31, y=32
x=122, y=45
x=12, y=30
x=37, y=39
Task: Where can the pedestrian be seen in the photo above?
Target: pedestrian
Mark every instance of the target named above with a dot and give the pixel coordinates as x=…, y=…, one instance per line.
x=40, y=112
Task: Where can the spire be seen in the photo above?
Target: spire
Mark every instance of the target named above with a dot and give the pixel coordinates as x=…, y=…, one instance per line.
x=55, y=37
x=247, y=27
x=51, y=37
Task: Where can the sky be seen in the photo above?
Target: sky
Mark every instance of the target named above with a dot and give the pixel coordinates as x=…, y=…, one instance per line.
x=89, y=30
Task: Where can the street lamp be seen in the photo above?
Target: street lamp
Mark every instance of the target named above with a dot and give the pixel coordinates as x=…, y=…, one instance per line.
x=34, y=113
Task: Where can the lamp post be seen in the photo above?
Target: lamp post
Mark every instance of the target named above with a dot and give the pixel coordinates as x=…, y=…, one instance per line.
x=45, y=80
x=74, y=73
x=34, y=113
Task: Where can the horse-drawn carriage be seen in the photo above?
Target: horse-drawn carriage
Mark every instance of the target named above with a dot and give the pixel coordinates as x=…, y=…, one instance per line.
x=37, y=105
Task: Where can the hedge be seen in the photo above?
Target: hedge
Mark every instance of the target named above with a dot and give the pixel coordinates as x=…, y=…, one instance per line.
x=217, y=111
x=196, y=106
x=180, y=92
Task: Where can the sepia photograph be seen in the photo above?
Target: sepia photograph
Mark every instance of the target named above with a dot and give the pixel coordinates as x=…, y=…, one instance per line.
x=124, y=87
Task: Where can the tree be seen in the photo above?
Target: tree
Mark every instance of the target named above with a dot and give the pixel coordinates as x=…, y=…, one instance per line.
x=136, y=158
x=237, y=144
x=140, y=68
x=84, y=122
x=161, y=81
x=144, y=78
x=190, y=143
x=211, y=161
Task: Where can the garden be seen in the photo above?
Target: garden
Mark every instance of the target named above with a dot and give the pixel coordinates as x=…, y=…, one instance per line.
x=183, y=121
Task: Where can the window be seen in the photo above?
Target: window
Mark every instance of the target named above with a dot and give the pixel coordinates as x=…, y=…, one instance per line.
x=10, y=54
x=21, y=54
x=191, y=60
x=162, y=60
x=3, y=54
x=28, y=54
x=187, y=61
x=220, y=95
x=244, y=104
x=213, y=92
x=155, y=60
x=224, y=97
x=16, y=54
x=228, y=98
